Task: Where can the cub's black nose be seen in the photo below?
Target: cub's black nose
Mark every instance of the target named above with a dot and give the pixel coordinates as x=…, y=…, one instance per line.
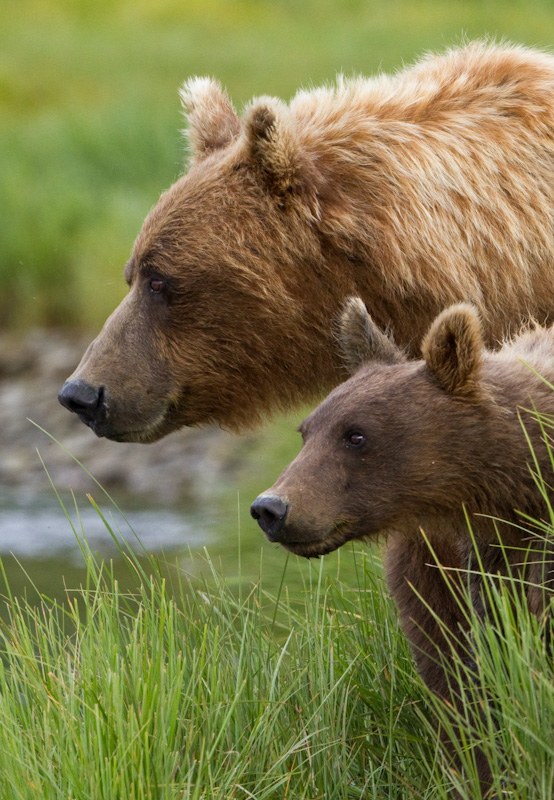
x=270, y=512
x=86, y=401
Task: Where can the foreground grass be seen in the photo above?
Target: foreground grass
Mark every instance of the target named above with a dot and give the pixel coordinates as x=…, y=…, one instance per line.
x=195, y=693
x=185, y=689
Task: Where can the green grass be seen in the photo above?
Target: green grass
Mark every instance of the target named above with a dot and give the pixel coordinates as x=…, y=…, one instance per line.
x=188, y=688
x=89, y=114
x=193, y=693
x=511, y=684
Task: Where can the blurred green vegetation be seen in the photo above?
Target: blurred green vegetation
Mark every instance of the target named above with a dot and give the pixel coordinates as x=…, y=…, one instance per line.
x=90, y=119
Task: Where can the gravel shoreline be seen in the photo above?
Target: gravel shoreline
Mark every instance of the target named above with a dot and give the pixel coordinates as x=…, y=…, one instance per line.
x=184, y=466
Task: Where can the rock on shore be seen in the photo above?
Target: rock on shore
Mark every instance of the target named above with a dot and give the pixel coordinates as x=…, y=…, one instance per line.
x=32, y=369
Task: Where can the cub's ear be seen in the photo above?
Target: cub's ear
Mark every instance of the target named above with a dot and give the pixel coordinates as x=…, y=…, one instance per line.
x=212, y=120
x=274, y=153
x=453, y=350
x=361, y=340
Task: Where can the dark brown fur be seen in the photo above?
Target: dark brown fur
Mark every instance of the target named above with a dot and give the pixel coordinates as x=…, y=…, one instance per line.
x=414, y=191
x=405, y=449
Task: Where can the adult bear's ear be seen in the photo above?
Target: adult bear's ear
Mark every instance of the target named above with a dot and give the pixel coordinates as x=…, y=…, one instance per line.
x=453, y=350
x=361, y=340
x=274, y=153
x=212, y=120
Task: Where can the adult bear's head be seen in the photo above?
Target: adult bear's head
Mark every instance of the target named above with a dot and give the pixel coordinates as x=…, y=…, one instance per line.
x=226, y=315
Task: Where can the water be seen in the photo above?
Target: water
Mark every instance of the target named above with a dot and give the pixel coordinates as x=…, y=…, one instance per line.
x=41, y=557
x=40, y=550
x=38, y=528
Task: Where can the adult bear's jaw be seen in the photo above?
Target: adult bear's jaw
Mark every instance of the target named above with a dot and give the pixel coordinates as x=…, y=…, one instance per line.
x=138, y=435
x=134, y=437
x=148, y=433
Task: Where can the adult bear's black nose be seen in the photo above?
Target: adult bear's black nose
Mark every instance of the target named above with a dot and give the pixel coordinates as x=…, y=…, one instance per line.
x=270, y=512
x=83, y=399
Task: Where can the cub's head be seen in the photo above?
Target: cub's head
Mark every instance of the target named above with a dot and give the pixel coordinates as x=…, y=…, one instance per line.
x=397, y=439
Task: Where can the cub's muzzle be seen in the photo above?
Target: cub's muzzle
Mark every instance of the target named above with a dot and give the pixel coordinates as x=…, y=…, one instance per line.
x=270, y=512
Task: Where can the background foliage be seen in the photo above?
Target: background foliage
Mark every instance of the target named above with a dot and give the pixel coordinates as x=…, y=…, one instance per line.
x=89, y=114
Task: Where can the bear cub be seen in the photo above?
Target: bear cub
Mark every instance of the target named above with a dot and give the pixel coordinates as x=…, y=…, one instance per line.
x=410, y=450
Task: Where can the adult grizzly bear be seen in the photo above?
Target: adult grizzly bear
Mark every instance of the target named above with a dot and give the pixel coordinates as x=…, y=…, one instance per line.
x=414, y=191
x=410, y=446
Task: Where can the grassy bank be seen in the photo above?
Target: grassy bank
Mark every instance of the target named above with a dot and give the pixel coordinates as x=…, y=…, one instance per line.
x=183, y=688
x=89, y=115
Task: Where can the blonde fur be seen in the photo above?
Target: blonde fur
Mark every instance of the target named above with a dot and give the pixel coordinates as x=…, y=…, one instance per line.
x=413, y=191
x=442, y=175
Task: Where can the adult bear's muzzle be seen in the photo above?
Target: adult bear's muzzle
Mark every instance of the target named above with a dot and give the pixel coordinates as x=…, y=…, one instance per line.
x=88, y=402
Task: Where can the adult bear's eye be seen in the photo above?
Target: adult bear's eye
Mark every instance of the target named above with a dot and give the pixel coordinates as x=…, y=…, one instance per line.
x=157, y=285
x=355, y=439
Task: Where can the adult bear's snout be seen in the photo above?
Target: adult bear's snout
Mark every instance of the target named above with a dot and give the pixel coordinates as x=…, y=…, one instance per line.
x=270, y=512
x=88, y=402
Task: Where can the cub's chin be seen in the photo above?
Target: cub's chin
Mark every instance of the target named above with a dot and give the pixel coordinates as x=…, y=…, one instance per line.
x=321, y=546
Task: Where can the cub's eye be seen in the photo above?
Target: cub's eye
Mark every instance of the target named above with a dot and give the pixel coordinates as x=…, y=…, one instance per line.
x=156, y=285
x=354, y=439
